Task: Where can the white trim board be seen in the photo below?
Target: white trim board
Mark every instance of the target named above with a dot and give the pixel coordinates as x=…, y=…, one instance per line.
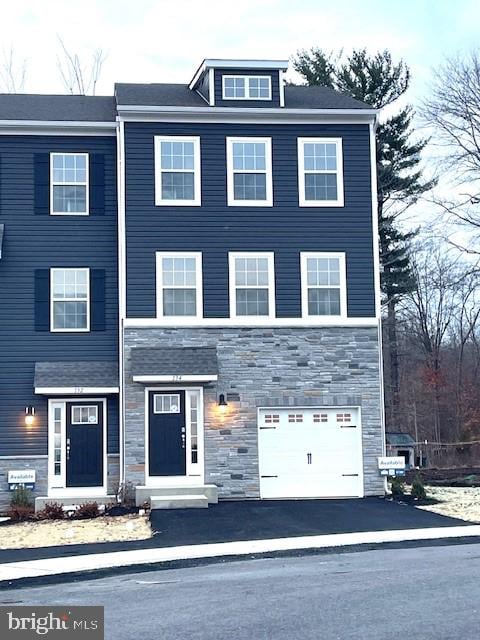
x=57, y=128
x=76, y=391
x=246, y=321
x=173, y=378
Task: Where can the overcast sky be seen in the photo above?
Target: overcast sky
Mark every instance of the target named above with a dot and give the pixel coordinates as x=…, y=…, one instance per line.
x=164, y=41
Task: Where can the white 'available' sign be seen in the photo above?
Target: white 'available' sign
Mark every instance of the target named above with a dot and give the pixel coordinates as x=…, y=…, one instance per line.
x=24, y=476
x=391, y=462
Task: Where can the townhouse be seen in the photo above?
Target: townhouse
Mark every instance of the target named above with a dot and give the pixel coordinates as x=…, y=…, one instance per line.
x=189, y=291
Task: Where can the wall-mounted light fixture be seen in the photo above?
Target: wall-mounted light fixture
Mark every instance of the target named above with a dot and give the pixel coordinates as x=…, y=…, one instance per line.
x=222, y=403
x=29, y=416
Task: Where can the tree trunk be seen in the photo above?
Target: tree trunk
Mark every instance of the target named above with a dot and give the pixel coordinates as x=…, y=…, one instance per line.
x=393, y=352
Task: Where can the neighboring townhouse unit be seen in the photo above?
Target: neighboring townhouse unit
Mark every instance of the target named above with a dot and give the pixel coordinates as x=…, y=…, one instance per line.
x=248, y=363
x=59, y=294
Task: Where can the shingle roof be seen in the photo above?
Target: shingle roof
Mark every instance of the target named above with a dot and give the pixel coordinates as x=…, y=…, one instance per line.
x=24, y=106
x=165, y=95
x=303, y=97
x=179, y=95
x=400, y=439
x=175, y=361
x=76, y=374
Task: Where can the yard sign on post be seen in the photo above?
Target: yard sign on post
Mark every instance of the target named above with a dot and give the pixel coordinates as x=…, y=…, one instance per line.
x=391, y=466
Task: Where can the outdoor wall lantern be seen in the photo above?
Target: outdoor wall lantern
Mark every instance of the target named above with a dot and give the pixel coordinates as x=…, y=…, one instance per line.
x=222, y=403
x=29, y=416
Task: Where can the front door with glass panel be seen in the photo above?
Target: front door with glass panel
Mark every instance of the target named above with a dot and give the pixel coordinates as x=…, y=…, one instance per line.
x=84, y=444
x=167, y=439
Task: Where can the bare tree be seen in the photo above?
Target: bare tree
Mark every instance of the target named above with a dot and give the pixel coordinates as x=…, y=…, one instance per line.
x=79, y=77
x=12, y=72
x=453, y=109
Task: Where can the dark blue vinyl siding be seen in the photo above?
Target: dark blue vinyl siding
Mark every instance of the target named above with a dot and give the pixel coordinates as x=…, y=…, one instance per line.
x=35, y=243
x=220, y=102
x=216, y=229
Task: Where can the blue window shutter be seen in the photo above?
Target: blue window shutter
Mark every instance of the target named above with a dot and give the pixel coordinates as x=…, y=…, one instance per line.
x=41, y=173
x=97, y=184
x=42, y=299
x=97, y=299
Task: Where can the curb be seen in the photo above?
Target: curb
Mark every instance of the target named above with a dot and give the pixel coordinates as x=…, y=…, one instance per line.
x=74, y=566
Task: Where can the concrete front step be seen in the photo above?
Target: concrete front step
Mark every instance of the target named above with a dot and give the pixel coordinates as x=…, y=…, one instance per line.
x=182, y=501
x=144, y=494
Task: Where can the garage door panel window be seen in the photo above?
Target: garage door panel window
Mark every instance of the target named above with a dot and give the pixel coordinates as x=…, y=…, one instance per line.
x=323, y=285
x=252, y=285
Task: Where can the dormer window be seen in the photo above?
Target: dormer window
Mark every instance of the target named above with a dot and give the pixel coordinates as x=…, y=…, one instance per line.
x=246, y=87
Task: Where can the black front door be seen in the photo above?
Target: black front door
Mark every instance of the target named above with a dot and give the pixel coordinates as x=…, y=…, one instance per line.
x=166, y=433
x=84, y=422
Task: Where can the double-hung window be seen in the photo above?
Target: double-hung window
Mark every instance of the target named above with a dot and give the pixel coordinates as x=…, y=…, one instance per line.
x=177, y=171
x=179, y=285
x=323, y=285
x=69, y=299
x=320, y=172
x=246, y=87
x=252, y=285
x=249, y=172
x=69, y=184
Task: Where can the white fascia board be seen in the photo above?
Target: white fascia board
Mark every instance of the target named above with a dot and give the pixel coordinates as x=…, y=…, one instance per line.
x=282, y=115
x=334, y=321
x=218, y=63
x=75, y=391
x=176, y=378
x=57, y=127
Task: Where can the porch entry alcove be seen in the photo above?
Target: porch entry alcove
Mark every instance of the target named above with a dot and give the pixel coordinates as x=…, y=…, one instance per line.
x=78, y=395
x=174, y=380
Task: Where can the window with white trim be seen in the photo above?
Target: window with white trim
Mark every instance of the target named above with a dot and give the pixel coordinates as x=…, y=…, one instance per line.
x=320, y=172
x=69, y=184
x=246, y=87
x=323, y=285
x=69, y=299
x=179, y=285
x=85, y=414
x=252, y=286
x=166, y=403
x=249, y=172
x=177, y=171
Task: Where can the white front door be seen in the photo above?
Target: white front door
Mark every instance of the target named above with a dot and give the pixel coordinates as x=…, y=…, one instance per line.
x=310, y=453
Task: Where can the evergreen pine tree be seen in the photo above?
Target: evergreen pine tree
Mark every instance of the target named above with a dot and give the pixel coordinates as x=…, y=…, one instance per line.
x=377, y=81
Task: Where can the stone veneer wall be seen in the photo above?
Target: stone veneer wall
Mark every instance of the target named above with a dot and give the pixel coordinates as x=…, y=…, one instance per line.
x=40, y=465
x=260, y=367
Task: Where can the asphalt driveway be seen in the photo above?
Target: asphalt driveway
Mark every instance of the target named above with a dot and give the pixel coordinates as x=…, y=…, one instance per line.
x=256, y=520
x=264, y=519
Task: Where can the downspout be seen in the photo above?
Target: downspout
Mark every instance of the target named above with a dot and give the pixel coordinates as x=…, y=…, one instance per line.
x=121, y=289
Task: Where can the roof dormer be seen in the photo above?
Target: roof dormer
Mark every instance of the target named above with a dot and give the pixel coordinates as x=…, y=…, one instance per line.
x=241, y=83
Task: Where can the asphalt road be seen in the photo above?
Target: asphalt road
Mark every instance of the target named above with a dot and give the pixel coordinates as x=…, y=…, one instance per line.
x=430, y=593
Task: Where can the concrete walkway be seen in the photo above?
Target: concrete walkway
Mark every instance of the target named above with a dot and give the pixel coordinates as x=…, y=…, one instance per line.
x=38, y=569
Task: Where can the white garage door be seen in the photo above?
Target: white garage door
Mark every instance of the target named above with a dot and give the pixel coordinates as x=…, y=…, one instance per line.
x=310, y=453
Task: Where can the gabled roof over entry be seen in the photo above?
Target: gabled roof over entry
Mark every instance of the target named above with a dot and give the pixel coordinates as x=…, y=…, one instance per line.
x=76, y=377
x=174, y=364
